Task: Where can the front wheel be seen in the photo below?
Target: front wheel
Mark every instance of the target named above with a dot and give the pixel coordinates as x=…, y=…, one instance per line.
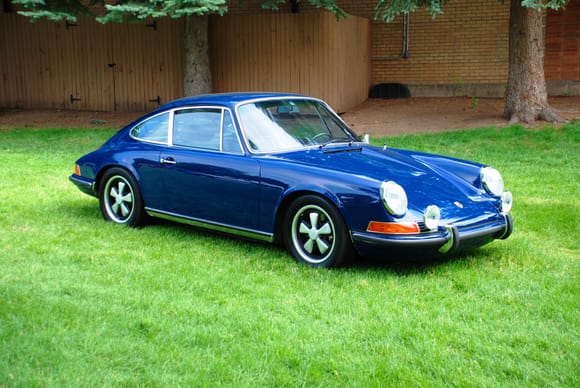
x=315, y=233
x=120, y=199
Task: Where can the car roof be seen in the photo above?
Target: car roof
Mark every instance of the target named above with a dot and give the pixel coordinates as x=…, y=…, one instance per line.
x=225, y=99
x=229, y=100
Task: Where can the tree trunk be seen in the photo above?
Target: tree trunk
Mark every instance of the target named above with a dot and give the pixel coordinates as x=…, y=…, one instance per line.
x=196, y=70
x=526, y=96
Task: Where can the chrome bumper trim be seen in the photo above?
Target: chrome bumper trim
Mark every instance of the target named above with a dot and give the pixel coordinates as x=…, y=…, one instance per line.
x=444, y=241
x=246, y=233
x=83, y=184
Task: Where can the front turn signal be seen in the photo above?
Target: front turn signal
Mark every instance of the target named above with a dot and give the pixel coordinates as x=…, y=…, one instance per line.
x=393, y=227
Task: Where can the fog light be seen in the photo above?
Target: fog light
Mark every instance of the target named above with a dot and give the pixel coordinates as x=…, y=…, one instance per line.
x=432, y=217
x=507, y=200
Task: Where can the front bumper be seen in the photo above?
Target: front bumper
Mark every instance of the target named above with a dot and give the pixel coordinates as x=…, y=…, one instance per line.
x=448, y=240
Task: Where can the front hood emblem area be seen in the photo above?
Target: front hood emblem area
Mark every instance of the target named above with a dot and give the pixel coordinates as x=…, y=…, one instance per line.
x=458, y=204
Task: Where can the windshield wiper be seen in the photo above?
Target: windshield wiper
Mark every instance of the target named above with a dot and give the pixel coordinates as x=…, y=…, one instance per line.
x=336, y=140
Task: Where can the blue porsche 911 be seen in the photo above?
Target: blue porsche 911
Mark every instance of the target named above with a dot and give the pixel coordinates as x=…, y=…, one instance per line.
x=285, y=168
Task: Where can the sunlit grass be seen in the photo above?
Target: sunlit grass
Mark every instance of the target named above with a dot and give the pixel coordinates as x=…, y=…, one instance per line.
x=84, y=302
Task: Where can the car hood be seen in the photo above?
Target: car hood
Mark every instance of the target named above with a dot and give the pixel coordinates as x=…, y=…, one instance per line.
x=424, y=180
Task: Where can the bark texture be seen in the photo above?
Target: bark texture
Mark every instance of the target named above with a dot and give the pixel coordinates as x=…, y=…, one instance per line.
x=526, y=95
x=196, y=70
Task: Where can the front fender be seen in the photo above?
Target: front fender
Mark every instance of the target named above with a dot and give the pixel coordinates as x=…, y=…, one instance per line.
x=352, y=195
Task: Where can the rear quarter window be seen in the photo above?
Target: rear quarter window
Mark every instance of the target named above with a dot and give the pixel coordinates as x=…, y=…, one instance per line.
x=154, y=129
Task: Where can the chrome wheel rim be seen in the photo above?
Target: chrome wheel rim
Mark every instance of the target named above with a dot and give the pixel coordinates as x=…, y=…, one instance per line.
x=119, y=199
x=313, y=234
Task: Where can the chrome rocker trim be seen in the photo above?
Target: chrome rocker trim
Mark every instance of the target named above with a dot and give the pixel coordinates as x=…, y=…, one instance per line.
x=229, y=229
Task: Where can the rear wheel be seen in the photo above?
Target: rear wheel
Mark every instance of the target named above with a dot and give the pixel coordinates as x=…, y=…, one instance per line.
x=315, y=233
x=120, y=198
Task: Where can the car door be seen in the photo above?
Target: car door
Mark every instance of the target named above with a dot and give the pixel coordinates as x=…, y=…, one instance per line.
x=207, y=176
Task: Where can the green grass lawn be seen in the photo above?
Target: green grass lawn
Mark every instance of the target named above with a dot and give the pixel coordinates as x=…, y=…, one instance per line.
x=88, y=303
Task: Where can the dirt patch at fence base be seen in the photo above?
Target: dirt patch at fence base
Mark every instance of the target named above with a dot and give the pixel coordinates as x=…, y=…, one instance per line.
x=417, y=115
x=377, y=117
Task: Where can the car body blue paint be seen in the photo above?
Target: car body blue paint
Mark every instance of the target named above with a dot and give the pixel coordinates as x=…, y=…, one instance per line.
x=246, y=190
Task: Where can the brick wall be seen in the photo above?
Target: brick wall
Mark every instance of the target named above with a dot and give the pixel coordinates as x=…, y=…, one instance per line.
x=562, y=57
x=465, y=46
x=464, y=51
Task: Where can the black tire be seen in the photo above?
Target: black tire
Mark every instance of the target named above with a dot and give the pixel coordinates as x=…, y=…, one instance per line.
x=120, y=198
x=315, y=233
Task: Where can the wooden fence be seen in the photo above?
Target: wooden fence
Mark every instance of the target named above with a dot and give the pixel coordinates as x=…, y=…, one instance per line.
x=113, y=67
x=134, y=67
x=310, y=53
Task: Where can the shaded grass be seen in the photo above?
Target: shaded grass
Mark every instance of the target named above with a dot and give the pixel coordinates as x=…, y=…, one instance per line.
x=84, y=302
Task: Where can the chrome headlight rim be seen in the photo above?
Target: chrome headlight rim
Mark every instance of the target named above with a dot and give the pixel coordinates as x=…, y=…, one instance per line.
x=394, y=198
x=492, y=181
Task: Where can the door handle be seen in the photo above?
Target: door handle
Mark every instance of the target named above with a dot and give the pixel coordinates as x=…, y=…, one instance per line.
x=168, y=160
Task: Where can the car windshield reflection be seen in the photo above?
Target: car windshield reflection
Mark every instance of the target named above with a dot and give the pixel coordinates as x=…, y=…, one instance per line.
x=284, y=125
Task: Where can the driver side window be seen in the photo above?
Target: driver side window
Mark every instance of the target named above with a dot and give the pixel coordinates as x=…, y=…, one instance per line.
x=206, y=128
x=197, y=128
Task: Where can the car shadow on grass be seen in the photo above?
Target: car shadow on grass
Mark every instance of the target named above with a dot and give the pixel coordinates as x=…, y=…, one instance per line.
x=401, y=266
x=420, y=265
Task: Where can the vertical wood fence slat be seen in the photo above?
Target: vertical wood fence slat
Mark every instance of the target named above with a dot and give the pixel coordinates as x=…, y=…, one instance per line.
x=311, y=54
x=125, y=67
x=43, y=64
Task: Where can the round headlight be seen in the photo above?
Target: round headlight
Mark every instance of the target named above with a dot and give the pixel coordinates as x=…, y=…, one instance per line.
x=492, y=181
x=507, y=200
x=432, y=217
x=394, y=198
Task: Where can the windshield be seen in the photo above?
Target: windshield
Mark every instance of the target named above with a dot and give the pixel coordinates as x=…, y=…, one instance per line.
x=283, y=125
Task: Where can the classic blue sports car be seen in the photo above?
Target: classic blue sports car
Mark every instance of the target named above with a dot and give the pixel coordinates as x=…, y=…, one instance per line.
x=285, y=168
